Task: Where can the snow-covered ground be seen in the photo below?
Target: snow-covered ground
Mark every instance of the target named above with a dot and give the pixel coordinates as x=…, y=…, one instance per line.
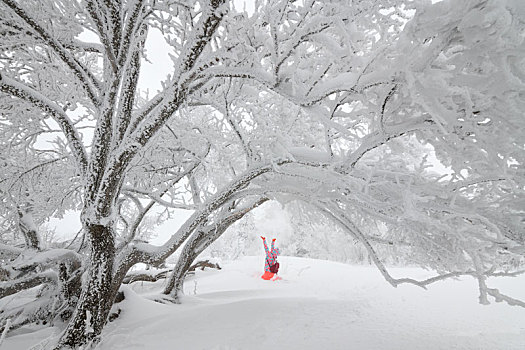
x=317, y=305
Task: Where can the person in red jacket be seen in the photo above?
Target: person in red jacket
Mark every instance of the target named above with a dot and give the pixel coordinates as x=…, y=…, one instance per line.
x=271, y=266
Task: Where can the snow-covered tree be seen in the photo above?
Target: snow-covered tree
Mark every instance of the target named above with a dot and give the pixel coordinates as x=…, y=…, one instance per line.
x=326, y=102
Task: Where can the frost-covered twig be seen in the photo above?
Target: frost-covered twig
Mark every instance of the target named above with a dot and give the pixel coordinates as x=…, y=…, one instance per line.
x=6, y=330
x=14, y=88
x=159, y=200
x=377, y=139
x=507, y=274
x=83, y=75
x=167, y=204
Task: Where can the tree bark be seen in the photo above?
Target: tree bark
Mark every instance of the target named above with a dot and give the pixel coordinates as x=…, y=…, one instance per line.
x=97, y=294
x=187, y=256
x=14, y=286
x=28, y=229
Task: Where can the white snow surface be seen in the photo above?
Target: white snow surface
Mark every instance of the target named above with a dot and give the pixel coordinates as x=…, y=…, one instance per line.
x=317, y=305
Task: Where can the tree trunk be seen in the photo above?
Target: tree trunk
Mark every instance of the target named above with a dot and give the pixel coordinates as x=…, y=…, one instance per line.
x=97, y=294
x=187, y=256
x=70, y=278
x=28, y=228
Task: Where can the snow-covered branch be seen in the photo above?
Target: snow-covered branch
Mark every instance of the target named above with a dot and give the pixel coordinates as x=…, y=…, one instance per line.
x=14, y=88
x=130, y=81
x=16, y=285
x=9, y=251
x=266, y=80
x=107, y=21
x=338, y=215
x=46, y=259
x=133, y=22
x=502, y=297
x=158, y=199
x=85, y=78
x=379, y=138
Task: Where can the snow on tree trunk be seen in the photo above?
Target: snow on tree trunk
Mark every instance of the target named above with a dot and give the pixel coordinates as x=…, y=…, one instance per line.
x=187, y=256
x=97, y=294
x=28, y=229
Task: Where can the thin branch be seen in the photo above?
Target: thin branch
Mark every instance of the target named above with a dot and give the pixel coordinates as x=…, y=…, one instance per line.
x=158, y=199
x=265, y=80
x=133, y=22
x=236, y=129
x=383, y=107
x=78, y=45
x=14, y=88
x=94, y=12
x=19, y=175
x=130, y=84
x=80, y=72
x=374, y=140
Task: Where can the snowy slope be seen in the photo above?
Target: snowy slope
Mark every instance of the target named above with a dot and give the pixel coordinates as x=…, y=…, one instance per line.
x=317, y=305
